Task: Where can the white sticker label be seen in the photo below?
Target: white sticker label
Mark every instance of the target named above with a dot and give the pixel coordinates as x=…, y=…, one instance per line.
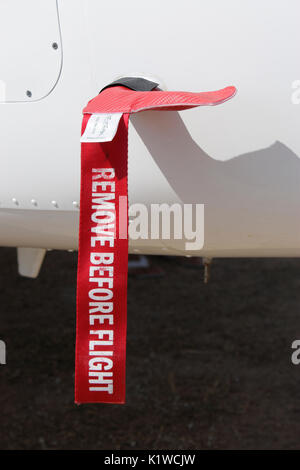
x=101, y=127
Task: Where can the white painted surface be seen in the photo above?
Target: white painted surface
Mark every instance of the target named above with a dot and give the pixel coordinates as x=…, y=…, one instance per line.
x=30, y=261
x=30, y=65
x=240, y=159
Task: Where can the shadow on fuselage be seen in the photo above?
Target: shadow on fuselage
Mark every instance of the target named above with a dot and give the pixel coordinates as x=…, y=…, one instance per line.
x=254, y=195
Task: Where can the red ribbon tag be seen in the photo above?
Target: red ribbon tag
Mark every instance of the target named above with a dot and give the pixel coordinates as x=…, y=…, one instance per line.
x=103, y=241
x=102, y=271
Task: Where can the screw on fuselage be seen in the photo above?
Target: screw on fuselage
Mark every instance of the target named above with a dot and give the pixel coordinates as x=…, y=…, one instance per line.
x=28, y=93
x=55, y=45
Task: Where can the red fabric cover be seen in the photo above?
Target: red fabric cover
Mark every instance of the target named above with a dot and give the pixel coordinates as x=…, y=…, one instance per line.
x=113, y=155
x=119, y=99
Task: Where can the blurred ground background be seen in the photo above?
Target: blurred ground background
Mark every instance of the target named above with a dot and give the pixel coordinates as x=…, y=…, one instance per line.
x=208, y=366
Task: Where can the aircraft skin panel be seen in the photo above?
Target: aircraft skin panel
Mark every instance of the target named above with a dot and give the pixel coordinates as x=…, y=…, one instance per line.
x=30, y=52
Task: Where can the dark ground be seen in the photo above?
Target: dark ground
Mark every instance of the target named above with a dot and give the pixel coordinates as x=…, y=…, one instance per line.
x=208, y=366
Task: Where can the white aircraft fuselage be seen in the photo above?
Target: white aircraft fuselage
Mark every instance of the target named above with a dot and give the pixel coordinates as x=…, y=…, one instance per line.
x=239, y=159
